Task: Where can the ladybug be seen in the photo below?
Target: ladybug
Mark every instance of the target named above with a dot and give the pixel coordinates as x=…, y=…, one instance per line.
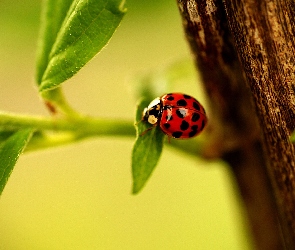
x=178, y=115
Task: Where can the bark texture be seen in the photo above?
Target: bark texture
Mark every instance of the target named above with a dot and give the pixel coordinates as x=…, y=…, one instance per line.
x=245, y=51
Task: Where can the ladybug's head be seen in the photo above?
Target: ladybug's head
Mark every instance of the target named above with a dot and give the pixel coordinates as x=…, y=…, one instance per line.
x=152, y=113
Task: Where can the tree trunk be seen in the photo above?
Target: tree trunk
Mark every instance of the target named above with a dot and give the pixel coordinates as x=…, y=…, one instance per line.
x=245, y=52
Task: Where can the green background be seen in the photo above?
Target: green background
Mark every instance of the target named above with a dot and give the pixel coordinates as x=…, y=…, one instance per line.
x=79, y=196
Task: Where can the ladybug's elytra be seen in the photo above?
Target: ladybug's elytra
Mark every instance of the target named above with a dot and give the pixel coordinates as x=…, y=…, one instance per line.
x=178, y=115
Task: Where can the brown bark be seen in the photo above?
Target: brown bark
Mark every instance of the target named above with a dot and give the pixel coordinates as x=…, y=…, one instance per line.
x=245, y=51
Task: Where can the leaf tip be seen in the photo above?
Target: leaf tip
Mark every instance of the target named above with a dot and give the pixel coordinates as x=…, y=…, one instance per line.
x=138, y=186
x=135, y=189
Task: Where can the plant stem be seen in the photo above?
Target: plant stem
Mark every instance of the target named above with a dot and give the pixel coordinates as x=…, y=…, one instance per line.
x=71, y=130
x=86, y=125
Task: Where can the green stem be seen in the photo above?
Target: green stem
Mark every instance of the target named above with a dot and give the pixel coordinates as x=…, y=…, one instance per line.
x=70, y=130
x=85, y=125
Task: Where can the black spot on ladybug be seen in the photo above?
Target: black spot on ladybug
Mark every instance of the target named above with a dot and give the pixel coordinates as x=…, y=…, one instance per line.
x=166, y=125
x=169, y=118
x=187, y=97
x=184, y=125
x=192, y=133
x=203, y=125
x=196, y=106
x=177, y=134
x=170, y=98
x=195, y=117
x=194, y=127
x=181, y=113
x=181, y=102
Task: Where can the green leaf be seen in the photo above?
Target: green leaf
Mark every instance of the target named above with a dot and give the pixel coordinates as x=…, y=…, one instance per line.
x=146, y=151
x=10, y=150
x=86, y=29
x=53, y=15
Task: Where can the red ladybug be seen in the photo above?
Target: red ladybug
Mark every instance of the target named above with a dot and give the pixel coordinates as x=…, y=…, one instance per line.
x=178, y=115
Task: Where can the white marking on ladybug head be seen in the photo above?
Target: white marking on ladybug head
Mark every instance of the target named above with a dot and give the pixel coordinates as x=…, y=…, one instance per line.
x=154, y=102
x=144, y=112
x=152, y=119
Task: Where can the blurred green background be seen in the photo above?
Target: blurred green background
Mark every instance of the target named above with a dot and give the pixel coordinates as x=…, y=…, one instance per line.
x=79, y=196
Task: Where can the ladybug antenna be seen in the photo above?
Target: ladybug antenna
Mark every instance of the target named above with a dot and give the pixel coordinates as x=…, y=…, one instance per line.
x=148, y=129
x=136, y=123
